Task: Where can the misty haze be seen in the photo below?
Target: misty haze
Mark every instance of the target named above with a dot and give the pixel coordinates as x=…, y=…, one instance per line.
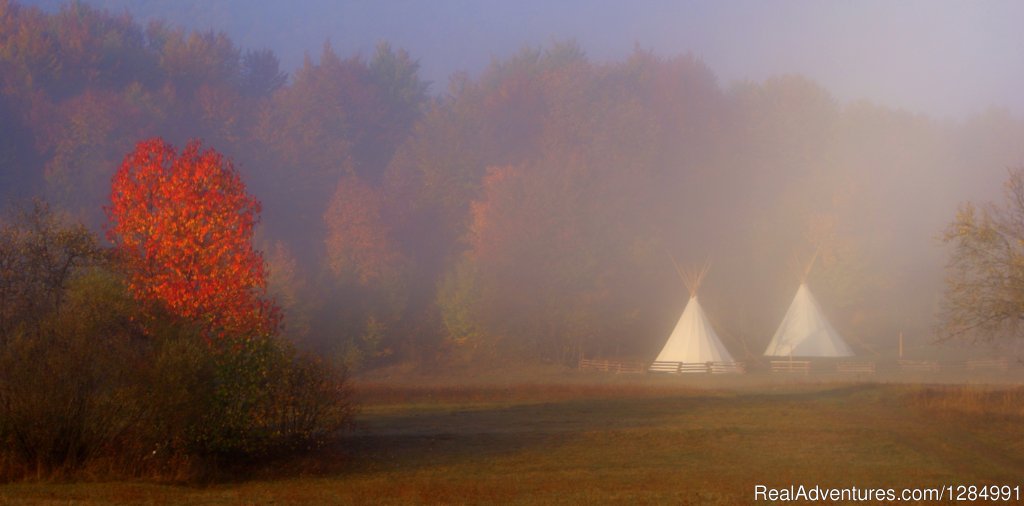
x=509, y=252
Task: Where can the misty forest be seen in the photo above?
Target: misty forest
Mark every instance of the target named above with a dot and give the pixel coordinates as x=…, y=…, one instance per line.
x=205, y=254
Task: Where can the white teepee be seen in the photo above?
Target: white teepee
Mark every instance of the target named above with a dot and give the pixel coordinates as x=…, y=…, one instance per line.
x=693, y=340
x=805, y=332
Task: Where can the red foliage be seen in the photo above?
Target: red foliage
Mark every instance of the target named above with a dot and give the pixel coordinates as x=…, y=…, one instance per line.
x=183, y=225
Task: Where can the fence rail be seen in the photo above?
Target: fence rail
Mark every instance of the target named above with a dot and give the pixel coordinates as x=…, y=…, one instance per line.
x=997, y=365
x=791, y=366
x=919, y=366
x=991, y=365
x=615, y=366
x=636, y=367
x=856, y=367
x=696, y=367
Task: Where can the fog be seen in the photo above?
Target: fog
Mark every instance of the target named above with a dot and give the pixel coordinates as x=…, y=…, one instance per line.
x=942, y=58
x=512, y=179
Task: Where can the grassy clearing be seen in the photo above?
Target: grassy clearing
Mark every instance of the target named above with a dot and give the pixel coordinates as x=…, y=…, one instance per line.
x=622, y=440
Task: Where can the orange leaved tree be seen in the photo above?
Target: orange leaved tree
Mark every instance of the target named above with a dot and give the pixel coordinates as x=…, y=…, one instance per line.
x=183, y=226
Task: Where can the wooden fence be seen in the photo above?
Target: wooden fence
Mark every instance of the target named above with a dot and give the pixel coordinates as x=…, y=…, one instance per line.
x=695, y=367
x=615, y=366
x=856, y=367
x=791, y=366
x=998, y=365
x=919, y=366
x=988, y=365
x=636, y=367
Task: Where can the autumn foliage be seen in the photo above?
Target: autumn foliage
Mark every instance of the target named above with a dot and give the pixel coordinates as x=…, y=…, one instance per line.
x=90, y=379
x=183, y=225
x=357, y=242
x=528, y=207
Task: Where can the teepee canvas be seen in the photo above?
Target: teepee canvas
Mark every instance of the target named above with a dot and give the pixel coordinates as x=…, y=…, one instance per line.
x=693, y=340
x=805, y=332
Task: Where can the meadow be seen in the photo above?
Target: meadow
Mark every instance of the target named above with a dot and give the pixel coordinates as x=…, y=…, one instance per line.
x=578, y=438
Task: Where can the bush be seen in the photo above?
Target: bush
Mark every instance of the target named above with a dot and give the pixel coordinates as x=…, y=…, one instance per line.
x=67, y=386
x=65, y=346
x=242, y=401
x=89, y=389
x=89, y=379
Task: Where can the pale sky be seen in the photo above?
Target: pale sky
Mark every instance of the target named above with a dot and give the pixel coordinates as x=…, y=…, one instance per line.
x=945, y=58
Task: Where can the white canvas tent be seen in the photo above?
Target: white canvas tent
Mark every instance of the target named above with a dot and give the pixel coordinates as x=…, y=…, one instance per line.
x=693, y=340
x=805, y=332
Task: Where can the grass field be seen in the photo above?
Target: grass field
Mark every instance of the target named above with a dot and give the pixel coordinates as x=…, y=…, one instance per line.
x=601, y=439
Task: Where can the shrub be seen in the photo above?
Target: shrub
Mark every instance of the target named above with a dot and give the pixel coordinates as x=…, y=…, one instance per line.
x=67, y=385
x=89, y=379
x=89, y=388
x=242, y=401
x=65, y=345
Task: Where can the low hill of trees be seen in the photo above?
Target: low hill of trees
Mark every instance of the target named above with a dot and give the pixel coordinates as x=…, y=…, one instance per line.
x=528, y=213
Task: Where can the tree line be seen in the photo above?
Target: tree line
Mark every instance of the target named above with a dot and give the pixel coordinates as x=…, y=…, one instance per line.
x=525, y=213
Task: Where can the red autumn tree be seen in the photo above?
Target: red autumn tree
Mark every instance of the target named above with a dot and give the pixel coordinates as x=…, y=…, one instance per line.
x=183, y=225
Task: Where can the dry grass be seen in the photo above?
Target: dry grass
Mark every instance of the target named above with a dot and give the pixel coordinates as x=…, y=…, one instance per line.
x=620, y=441
x=986, y=401
x=374, y=394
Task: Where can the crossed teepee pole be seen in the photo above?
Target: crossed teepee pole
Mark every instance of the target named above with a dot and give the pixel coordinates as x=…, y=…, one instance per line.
x=692, y=278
